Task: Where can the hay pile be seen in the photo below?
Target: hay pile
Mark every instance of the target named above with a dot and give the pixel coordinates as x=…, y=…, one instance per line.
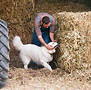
x=19, y=15
x=74, y=34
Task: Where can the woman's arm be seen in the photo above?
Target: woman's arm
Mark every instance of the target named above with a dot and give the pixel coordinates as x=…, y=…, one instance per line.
x=43, y=42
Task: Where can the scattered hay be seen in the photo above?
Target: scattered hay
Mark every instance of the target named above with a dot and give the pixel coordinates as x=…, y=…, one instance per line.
x=20, y=79
x=74, y=35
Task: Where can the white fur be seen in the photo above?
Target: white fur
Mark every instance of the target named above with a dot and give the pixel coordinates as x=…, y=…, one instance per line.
x=39, y=55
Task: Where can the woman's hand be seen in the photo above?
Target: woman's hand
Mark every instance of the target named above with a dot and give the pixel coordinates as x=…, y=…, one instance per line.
x=49, y=47
x=54, y=41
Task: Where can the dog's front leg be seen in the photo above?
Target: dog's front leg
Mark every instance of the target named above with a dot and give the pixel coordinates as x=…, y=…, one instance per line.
x=25, y=60
x=46, y=65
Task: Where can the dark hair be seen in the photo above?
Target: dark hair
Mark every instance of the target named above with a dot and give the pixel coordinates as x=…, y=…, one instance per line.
x=46, y=19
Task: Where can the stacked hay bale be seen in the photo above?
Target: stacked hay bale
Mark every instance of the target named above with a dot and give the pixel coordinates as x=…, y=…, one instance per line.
x=74, y=34
x=19, y=15
x=54, y=6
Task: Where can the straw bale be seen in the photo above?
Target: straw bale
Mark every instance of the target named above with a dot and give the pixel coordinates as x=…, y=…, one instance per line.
x=74, y=34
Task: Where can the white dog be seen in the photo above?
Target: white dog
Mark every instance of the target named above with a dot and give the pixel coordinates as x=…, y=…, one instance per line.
x=40, y=55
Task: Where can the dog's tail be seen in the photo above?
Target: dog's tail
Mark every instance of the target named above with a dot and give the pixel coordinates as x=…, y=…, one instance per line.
x=17, y=43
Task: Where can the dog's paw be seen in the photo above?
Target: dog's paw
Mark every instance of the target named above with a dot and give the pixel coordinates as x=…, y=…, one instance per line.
x=50, y=69
x=25, y=67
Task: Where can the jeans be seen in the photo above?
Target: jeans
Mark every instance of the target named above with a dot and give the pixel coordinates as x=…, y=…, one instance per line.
x=45, y=35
